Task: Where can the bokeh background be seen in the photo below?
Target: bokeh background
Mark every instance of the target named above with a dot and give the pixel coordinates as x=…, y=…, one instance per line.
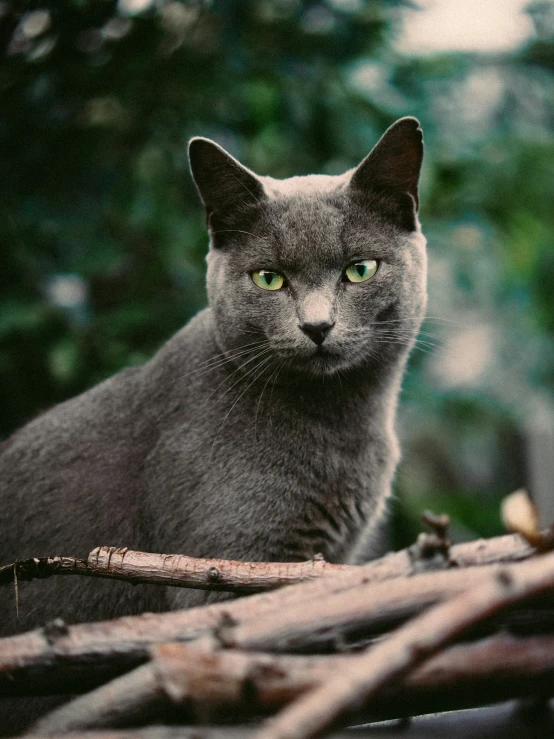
x=102, y=240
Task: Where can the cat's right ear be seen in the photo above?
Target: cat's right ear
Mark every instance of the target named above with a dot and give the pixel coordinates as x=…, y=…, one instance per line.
x=222, y=182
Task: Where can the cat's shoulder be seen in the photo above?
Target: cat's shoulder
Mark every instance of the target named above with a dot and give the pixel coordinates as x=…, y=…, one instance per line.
x=100, y=408
x=110, y=405
x=190, y=346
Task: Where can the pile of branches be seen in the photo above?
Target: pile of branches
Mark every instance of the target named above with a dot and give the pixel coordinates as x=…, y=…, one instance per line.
x=431, y=628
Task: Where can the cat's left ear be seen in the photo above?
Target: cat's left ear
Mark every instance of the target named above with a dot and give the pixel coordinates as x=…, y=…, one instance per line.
x=392, y=169
x=222, y=182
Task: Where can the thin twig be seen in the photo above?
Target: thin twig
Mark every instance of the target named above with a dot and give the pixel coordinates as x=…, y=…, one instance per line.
x=247, y=577
x=173, y=569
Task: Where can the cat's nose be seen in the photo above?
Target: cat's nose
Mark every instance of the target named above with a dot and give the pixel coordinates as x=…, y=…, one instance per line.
x=317, y=332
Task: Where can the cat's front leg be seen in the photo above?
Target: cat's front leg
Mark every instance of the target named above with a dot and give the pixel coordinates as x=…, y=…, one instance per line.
x=374, y=539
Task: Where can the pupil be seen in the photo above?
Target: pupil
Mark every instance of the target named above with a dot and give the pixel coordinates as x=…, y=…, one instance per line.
x=268, y=277
x=361, y=268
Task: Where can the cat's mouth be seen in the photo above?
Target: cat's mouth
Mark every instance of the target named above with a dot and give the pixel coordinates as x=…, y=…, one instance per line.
x=320, y=361
x=324, y=351
x=318, y=352
x=313, y=359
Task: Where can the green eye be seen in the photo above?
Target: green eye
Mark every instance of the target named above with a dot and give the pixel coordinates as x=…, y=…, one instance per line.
x=361, y=271
x=268, y=280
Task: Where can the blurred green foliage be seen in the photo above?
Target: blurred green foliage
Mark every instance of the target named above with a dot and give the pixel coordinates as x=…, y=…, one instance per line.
x=103, y=242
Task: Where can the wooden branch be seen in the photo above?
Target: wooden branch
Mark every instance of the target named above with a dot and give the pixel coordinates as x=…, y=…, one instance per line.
x=173, y=569
x=130, y=696
x=499, y=549
x=469, y=674
x=248, y=577
x=238, y=623
x=363, y=612
x=184, y=732
x=392, y=659
x=304, y=616
x=175, y=732
x=341, y=603
x=495, y=669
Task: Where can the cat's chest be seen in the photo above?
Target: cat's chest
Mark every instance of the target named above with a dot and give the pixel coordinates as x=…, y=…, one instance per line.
x=276, y=474
x=311, y=478
x=297, y=439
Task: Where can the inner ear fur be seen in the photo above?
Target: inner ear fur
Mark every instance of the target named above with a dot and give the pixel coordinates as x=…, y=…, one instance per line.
x=390, y=172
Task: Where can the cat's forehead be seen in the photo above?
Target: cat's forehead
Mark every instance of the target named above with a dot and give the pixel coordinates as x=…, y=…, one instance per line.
x=306, y=227
x=312, y=222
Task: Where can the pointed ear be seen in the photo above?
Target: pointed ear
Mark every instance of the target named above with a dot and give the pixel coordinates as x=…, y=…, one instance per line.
x=221, y=181
x=392, y=168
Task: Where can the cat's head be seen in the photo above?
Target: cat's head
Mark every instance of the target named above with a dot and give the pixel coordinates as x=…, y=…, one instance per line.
x=318, y=273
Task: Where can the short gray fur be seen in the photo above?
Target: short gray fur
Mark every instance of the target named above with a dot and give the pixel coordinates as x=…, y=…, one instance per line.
x=242, y=438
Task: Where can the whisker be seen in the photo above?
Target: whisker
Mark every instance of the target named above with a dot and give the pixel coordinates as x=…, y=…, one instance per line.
x=376, y=357
x=226, y=360
x=393, y=331
x=426, y=319
x=240, y=348
x=221, y=359
x=283, y=364
x=252, y=359
x=340, y=381
x=258, y=407
x=376, y=333
x=199, y=408
x=227, y=353
x=424, y=349
x=261, y=364
x=408, y=338
x=430, y=335
x=406, y=331
x=235, y=230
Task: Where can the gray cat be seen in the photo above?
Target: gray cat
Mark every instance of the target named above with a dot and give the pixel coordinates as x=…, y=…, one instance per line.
x=264, y=430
